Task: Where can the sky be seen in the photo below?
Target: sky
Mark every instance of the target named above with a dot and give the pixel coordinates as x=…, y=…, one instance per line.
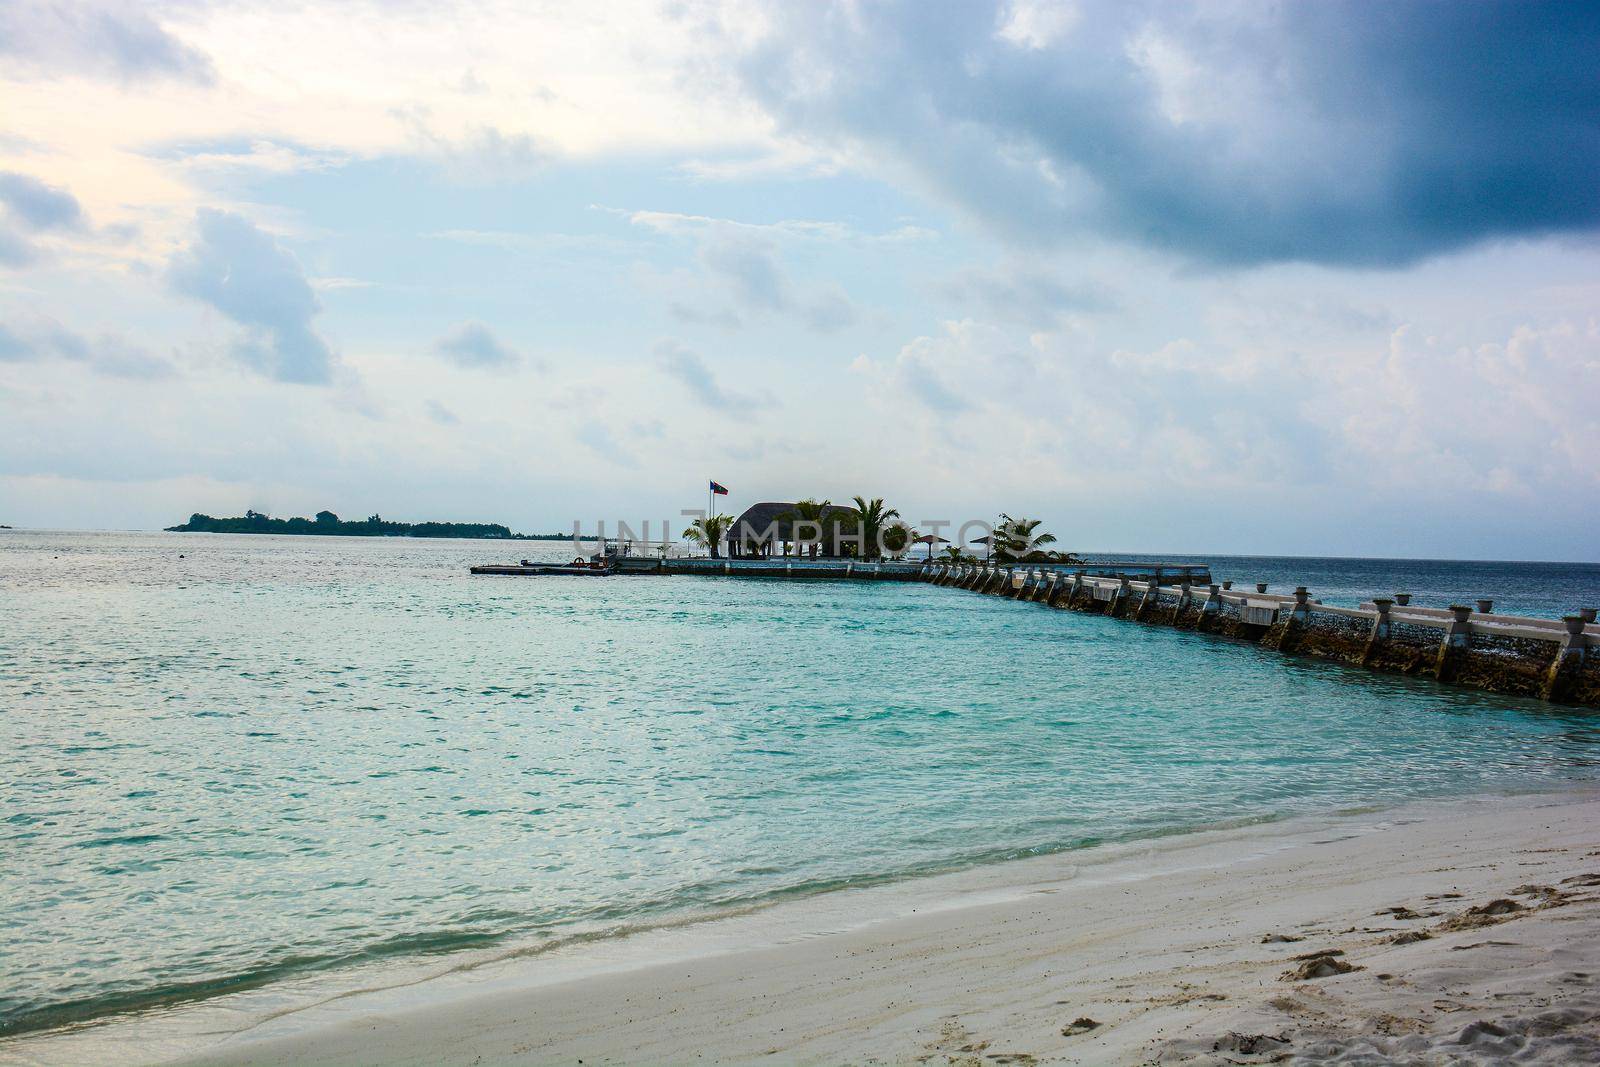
x=1234, y=277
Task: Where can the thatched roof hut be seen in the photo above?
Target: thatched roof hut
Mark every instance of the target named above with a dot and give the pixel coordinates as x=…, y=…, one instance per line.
x=762, y=526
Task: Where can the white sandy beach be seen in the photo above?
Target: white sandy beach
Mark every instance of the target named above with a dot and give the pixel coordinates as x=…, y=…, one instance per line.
x=1177, y=952
x=1199, y=948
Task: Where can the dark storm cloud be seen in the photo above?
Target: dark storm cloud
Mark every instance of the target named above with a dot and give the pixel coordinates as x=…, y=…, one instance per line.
x=1336, y=132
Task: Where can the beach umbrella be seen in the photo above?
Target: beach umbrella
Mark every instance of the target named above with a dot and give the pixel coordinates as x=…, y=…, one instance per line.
x=930, y=540
x=986, y=542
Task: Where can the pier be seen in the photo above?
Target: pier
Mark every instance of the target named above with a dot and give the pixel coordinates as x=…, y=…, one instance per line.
x=1549, y=659
x=885, y=570
x=1557, y=660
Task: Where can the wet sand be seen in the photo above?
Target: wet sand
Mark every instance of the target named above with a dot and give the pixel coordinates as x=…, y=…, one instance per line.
x=1466, y=931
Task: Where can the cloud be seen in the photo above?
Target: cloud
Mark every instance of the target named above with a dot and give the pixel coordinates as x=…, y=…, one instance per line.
x=36, y=205
x=38, y=338
x=674, y=222
x=1024, y=294
x=688, y=313
x=479, y=154
x=918, y=371
x=743, y=260
x=13, y=349
x=1230, y=134
x=474, y=345
x=689, y=369
x=1511, y=415
x=440, y=414
x=32, y=207
x=829, y=310
x=334, y=282
x=750, y=271
x=106, y=38
x=15, y=250
x=747, y=269
x=226, y=158
x=247, y=275
x=599, y=439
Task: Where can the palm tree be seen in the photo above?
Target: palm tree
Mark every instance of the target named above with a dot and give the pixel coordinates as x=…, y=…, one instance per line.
x=897, y=538
x=872, y=516
x=953, y=554
x=811, y=513
x=709, y=531
x=1019, y=539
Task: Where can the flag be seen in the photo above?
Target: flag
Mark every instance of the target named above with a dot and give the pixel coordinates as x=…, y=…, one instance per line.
x=719, y=490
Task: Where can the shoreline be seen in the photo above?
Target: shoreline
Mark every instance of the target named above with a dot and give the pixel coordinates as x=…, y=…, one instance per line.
x=1155, y=940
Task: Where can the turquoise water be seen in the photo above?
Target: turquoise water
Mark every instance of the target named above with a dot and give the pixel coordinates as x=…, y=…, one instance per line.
x=278, y=755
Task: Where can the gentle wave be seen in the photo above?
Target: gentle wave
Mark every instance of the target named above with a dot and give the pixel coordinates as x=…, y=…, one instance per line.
x=283, y=757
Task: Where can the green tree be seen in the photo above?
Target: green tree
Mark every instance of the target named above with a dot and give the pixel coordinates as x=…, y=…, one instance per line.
x=710, y=532
x=1020, y=539
x=808, y=515
x=897, y=538
x=871, y=517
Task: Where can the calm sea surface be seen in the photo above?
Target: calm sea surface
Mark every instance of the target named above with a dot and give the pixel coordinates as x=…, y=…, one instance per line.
x=271, y=756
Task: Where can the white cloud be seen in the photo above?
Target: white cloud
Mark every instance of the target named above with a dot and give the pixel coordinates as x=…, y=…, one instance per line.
x=293, y=86
x=474, y=345
x=244, y=273
x=691, y=371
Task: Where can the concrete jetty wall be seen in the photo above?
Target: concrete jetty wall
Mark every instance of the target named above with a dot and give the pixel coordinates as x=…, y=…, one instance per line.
x=887, y=570
x=1556, y=660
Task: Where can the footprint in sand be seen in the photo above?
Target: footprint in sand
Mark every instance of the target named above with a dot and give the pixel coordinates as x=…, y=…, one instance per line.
x=1409, y=937
x=1489, y=914
x=1250, y=1044
x=1317, y=965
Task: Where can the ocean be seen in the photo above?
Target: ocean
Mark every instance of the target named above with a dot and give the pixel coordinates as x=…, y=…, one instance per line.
x=237, y=761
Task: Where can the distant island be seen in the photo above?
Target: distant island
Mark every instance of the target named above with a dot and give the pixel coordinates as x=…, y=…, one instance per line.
x=327, y=524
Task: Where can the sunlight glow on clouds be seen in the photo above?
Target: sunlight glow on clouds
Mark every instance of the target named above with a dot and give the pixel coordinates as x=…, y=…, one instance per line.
x=1111, y=263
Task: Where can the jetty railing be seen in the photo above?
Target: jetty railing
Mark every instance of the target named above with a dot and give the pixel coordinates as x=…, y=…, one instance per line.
x=1557, y=660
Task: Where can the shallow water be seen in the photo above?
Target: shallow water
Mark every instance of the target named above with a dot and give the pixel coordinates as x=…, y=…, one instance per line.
x=277, y=755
